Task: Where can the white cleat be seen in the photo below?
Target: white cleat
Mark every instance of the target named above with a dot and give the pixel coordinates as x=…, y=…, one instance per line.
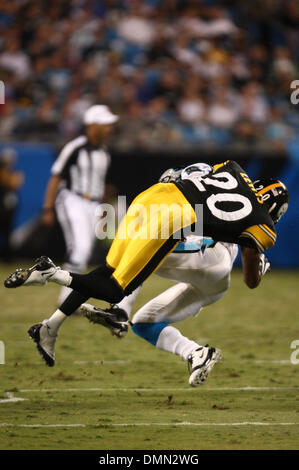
x=38, y=275
x=45, y=342
x=201, y=361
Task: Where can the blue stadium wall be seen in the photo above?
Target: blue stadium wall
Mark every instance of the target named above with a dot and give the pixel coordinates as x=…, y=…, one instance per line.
x=134, y=171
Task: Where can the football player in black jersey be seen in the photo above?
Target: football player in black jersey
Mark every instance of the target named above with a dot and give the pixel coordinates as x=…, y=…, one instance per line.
x=232, y=209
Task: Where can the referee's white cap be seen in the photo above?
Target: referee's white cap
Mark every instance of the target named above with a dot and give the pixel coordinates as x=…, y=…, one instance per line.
x=99, y=114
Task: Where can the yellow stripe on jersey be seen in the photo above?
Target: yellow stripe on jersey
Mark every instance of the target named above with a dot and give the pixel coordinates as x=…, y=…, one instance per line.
x=262, y=235
x=270, y=232
x=260, y=248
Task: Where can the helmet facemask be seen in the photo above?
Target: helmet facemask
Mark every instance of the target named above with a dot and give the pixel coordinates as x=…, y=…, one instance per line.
x=274, y=195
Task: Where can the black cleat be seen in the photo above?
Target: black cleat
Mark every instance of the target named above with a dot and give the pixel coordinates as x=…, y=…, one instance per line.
x=44, y=342
x=114, y=318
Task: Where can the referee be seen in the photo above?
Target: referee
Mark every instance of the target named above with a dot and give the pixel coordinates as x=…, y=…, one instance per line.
x=77, y=186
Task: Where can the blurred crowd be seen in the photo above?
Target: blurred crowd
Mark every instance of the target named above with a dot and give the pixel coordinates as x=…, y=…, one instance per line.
x=177, y=72
x=10, y=182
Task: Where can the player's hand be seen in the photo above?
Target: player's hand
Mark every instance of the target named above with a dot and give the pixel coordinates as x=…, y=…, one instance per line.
x=48, y=217
x=264, y=265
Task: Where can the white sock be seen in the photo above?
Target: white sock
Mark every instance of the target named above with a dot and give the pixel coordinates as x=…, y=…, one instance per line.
x=61, y=277
x=55, y=321
x=171, y=340
x=63, y=294
x=127, y=302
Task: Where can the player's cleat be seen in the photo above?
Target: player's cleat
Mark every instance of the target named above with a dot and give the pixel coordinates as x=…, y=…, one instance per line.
x=37, y=275
x=200, y=362
x=45, y=343
x=114, y=318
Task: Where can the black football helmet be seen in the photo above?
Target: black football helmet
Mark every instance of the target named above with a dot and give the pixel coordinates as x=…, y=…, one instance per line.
x=274, y=195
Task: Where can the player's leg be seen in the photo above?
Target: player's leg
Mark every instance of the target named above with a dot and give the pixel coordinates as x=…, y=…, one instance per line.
x=152, y=323
x=209, y=273
x=139, y=260
x=42, y=271
x=115, y=318
x=98, y=283
x=175, y=304
x=45, y=333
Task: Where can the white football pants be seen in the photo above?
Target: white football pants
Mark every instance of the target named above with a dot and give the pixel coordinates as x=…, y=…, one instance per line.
x=203, y=278
x=77, y=218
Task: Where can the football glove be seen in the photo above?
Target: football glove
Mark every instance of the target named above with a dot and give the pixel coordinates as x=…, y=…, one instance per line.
x=171, y=175
x=264, y=265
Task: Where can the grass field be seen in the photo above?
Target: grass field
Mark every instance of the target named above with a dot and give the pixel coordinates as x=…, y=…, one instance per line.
x=105, y=393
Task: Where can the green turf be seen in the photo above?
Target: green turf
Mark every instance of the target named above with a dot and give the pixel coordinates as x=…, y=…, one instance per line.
x=254, y=329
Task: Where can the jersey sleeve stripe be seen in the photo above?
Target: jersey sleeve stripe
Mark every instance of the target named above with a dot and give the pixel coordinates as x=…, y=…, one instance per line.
x=268, y=232
x=263, y=238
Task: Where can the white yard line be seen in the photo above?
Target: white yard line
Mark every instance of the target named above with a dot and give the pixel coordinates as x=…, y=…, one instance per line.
x=10, y=398
x=185, y=423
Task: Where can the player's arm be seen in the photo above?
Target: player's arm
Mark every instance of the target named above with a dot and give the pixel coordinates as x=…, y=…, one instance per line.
x=251, y=267
x=255, y=266
x=255, y=240
x=48, y=217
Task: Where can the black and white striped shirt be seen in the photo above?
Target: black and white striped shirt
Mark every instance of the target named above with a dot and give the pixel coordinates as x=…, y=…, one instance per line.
x=83, y=168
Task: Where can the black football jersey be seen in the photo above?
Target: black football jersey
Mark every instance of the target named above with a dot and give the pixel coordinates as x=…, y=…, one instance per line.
x=226, y=200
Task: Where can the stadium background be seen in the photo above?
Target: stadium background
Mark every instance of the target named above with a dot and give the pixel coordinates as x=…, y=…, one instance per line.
x=191, y=80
